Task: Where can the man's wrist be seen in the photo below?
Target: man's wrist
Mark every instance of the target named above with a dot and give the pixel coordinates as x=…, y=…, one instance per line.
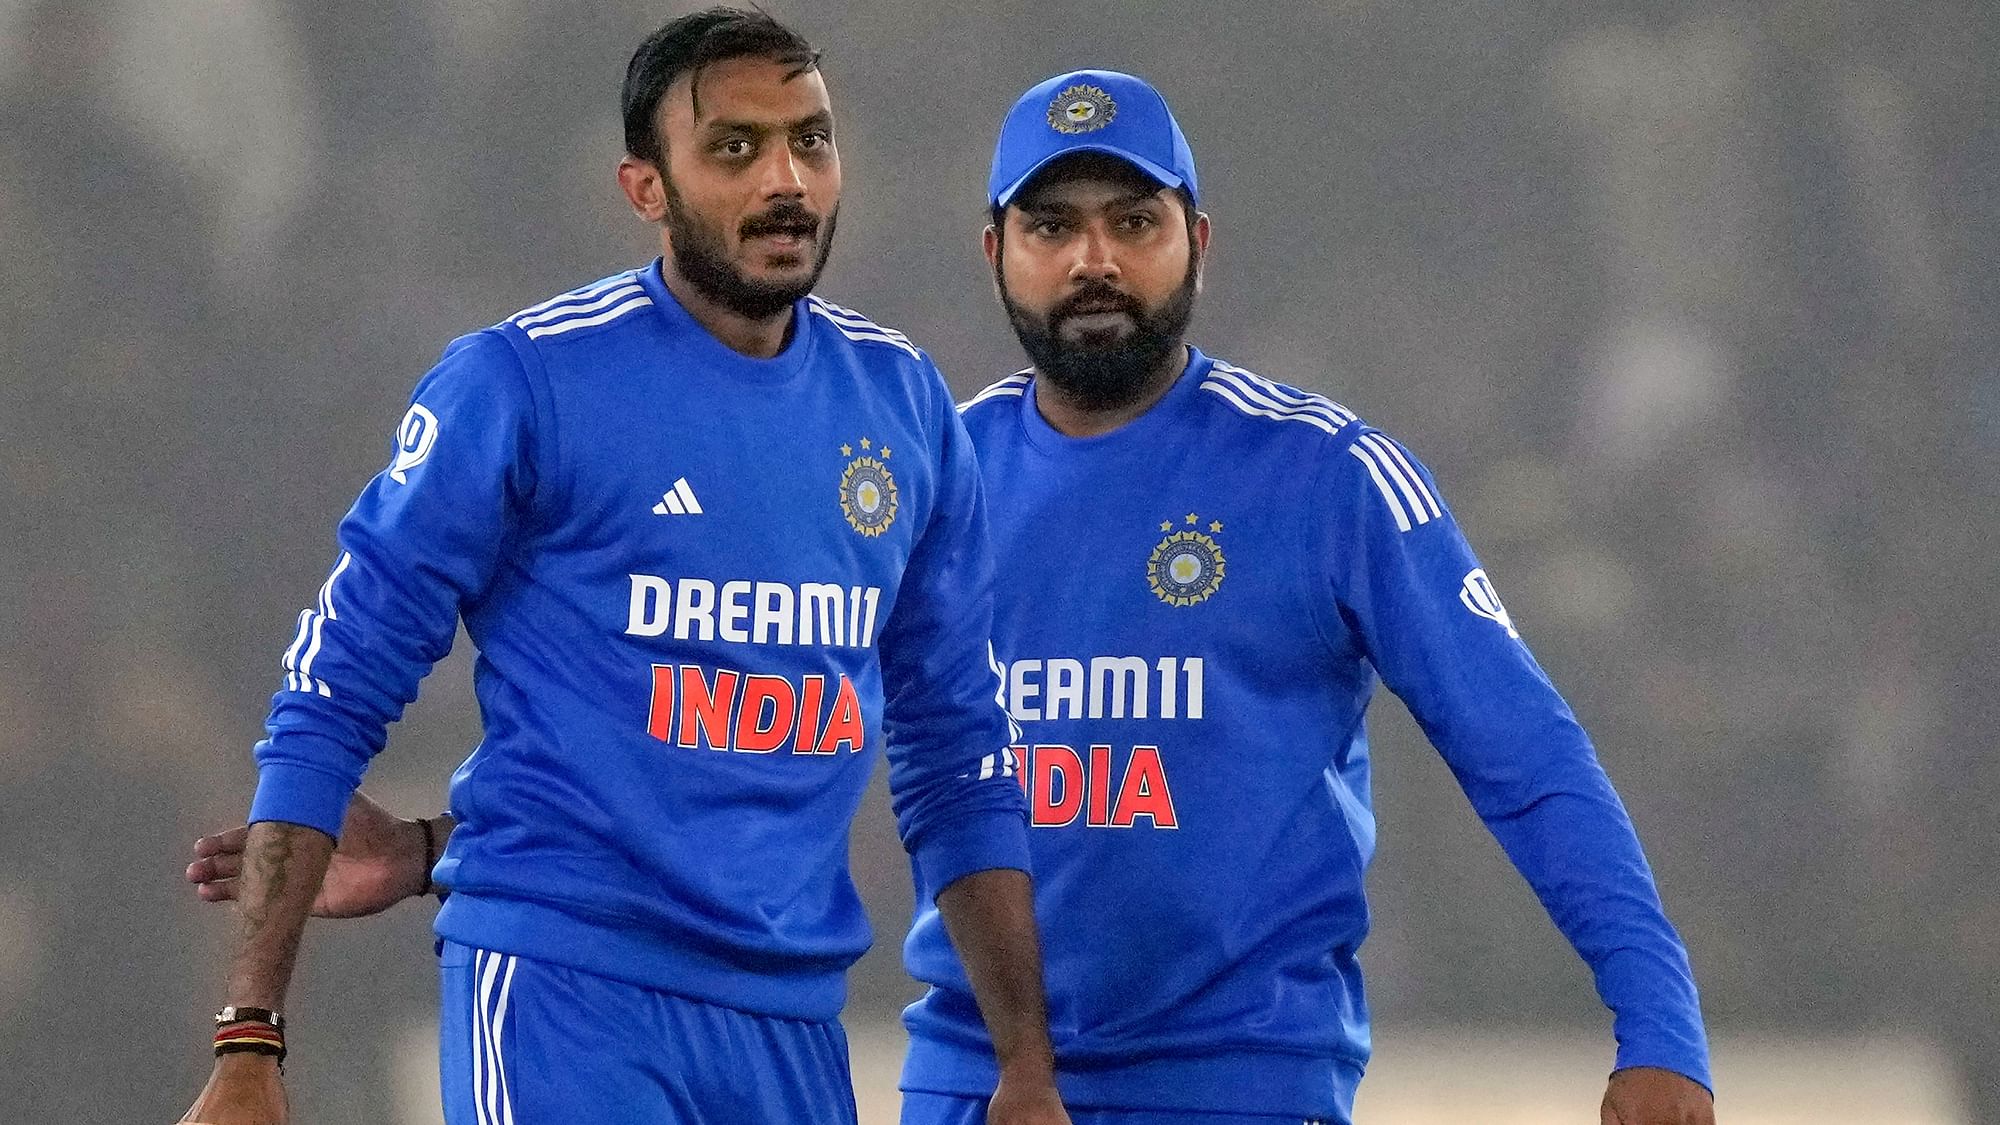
x=431, y=834
x=1033, y=1064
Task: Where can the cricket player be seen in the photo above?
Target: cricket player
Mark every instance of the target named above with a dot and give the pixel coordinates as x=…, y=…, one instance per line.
x=1205, y=573
x=718, y=543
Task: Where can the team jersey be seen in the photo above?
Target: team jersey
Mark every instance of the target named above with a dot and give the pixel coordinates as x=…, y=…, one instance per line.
x=706, y=590
x=1192, y=614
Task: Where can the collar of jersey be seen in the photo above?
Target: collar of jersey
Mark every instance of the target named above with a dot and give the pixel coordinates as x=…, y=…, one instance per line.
x=718, y=357
x=1140, y=433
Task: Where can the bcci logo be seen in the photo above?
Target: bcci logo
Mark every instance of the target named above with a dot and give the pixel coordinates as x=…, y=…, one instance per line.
x=1187, y=566
x=1081, y=109
x=868, y=490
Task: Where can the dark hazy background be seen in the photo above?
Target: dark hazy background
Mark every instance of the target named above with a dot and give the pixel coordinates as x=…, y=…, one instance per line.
x=1690, y=306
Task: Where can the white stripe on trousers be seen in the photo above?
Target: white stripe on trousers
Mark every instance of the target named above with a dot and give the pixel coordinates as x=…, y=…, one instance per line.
x=492, y=1102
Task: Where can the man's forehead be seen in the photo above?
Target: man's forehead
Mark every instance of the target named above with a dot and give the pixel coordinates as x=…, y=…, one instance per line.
x=748, y=88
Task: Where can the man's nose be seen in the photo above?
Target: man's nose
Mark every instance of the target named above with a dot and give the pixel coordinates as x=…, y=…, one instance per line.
x=783, y=178
x=1094, y=258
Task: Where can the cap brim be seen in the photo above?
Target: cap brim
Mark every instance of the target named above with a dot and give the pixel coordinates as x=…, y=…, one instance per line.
x=1165, y=178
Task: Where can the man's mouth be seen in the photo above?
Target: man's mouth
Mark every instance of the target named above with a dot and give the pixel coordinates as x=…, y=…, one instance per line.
x=781, y=234
x=1103, y=317
x=1097, y=314
x=1098, y=309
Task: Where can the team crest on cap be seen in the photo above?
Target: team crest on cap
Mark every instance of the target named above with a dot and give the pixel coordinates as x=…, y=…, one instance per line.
x=1187, y=565
x=868, y=489
x=1082, y=109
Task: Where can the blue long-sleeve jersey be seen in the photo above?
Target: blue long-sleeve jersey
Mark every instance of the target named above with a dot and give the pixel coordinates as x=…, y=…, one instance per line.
x=704, y=589
x=1193, y=611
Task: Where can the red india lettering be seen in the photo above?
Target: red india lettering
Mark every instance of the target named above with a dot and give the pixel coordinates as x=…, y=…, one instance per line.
x=660, y=713
x=708, y=710
x=753, y=734
x=1057, y=794
x=844, y=725
x=1100, y=787
x=1144, y=792
x=810, y=699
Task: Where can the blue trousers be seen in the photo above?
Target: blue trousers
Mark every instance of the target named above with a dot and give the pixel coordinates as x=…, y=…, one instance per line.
x=524, y=1042
x=948, y=1109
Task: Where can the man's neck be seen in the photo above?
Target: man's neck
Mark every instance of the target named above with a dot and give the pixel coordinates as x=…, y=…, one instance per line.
x=759, y=339
x=1066, y=416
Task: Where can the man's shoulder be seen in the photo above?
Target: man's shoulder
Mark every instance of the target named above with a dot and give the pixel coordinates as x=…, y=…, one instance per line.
x=852, y=330
x=1279, y=420
x=602, y=305
x=1268, y=410
x=881, y=358
x=996, y=397
x=1356, y=459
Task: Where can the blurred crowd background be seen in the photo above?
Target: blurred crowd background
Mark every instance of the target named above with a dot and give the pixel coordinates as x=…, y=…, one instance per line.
x=1691, y=306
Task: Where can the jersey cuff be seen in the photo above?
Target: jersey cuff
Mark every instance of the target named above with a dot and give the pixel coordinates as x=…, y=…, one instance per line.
x=1681, y=1060
x=978, y=840
x=297, y=793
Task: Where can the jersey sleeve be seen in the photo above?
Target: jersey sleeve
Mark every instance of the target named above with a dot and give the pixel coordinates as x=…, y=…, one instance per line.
x=422, y=539
x=1406, y=583
x=952, y=777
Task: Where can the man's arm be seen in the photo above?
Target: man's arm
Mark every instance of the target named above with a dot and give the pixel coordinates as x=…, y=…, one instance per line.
x=990, y=916
x=1408, y=586
x=425, y=535
x=952, y=776
x=282, y=868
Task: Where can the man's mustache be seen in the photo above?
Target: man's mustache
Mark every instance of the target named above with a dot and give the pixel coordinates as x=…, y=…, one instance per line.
x=1095, y=297
x=781, y=218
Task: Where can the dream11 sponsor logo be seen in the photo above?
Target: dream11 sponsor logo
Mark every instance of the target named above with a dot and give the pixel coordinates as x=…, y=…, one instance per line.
x=415, y=436
x=1477, y=594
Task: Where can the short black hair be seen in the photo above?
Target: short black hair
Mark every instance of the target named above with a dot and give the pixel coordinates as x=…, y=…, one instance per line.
x=685, y=46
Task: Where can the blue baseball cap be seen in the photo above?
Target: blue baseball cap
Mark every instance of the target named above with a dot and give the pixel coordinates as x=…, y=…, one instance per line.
x=1090, y=111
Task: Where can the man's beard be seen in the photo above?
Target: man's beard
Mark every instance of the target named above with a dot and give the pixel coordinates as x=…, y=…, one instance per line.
x=1105, y=370
x=701, y=255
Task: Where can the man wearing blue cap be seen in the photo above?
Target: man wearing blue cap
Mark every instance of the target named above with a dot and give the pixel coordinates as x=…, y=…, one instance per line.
x=1206, y=571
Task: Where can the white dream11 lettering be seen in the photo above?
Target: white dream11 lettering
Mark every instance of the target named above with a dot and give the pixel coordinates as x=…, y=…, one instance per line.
x=742, y=611
x=1103, y=687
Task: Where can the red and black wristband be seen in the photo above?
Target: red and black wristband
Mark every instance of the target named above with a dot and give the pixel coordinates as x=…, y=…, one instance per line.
x=245, y=1030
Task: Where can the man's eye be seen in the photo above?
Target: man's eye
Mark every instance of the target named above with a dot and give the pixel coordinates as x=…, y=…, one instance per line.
x=1047, y=228
x=735, y=146
x=1136, y=222
x=815, y=140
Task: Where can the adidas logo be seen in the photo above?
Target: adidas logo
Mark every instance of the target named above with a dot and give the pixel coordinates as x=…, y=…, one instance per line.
x=678, y=501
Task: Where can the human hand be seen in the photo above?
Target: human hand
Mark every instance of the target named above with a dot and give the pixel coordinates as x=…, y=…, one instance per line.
x=244, y=1089
x=1647, y=1095
x=1026, y=1102
x=378, y=863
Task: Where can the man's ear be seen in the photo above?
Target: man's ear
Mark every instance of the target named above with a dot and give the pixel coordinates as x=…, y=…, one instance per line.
x=1202, y=232
x=990, y=240
x=644, y=187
